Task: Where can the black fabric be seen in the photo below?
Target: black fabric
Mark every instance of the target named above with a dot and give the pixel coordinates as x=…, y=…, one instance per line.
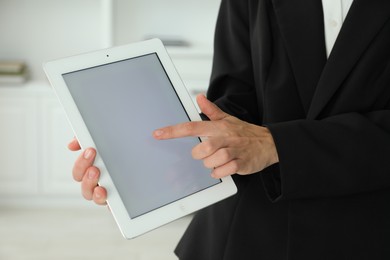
x=329, y=196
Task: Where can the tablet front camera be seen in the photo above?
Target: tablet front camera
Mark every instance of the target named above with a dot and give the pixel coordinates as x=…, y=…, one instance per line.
x=108, y=55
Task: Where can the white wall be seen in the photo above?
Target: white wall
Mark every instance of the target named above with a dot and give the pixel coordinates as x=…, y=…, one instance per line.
x=41, y=30
x=192, y=20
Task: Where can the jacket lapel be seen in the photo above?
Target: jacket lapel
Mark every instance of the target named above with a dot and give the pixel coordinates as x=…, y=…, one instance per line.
x=302, y=29
x=363, y=22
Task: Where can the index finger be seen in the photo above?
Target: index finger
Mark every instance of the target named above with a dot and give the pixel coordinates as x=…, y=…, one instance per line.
x=194, y=129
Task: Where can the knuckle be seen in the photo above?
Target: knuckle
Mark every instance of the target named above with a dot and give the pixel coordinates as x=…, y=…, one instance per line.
x=195, y=153
x=235, y=166
x=246, y=140
x=208, y=147
x=77, y=173
x=89, y=184
x=79, y=168
x=223, y=124
x=86, y=191
x=208, y=164
x=188, y=127
x=86, y=196
x=225, y=154
x=227, y=129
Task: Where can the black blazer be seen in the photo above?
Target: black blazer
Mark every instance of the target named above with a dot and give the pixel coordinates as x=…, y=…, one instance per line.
x=329, y=197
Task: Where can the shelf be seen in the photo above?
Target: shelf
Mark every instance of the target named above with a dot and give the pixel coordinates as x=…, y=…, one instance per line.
x=30, y=85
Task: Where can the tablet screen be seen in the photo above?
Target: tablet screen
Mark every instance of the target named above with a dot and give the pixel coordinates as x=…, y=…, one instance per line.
x=122, y=103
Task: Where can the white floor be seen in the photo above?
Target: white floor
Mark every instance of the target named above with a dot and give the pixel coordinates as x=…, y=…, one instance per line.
x=79, y=234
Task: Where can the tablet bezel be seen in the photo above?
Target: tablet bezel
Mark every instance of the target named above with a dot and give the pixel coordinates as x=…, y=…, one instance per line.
x=129, y=227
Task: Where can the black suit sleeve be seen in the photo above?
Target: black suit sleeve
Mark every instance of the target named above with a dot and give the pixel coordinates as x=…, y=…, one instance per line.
x=339, y=155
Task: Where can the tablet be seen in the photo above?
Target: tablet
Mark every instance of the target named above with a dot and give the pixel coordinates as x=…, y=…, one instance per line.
x=114, y=99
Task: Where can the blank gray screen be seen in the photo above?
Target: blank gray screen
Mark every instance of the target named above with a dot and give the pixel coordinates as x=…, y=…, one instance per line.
x=121, y=104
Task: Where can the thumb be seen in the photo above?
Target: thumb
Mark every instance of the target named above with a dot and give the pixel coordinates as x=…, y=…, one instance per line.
x=212, y=111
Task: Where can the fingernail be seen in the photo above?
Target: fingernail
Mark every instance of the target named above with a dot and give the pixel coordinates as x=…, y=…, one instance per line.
x=88, y=154
x=158, y=132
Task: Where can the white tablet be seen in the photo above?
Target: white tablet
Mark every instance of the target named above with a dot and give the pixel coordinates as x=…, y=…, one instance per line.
x=114, y=99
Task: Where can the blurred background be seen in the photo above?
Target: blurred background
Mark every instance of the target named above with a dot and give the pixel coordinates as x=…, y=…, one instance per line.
x=42, y=214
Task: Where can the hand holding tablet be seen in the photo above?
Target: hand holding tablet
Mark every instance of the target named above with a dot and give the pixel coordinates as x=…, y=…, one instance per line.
x=114, y=99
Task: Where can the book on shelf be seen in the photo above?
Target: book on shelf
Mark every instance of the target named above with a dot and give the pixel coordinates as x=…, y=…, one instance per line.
x=13, y=72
